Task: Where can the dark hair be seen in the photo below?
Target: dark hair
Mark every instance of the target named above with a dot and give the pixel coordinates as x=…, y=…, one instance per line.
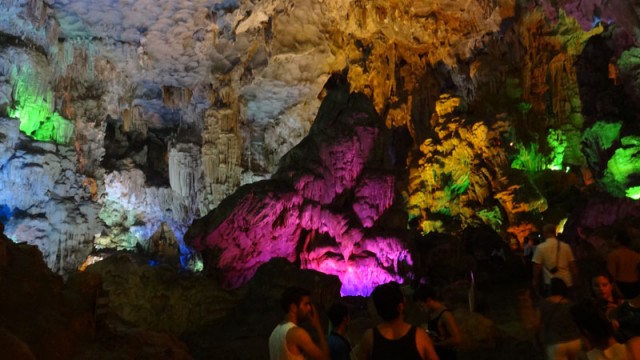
x=591, y=322
x=558, y=287
x=425, y=292
x=548, y=230
x=623, y=238
x=337, y=312
x=386, y=298
x=615, y=292
x=292, y=295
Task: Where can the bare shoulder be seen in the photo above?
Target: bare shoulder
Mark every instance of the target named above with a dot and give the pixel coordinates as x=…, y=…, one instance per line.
x=296, y=333
x=424, y=345
x=422, y=336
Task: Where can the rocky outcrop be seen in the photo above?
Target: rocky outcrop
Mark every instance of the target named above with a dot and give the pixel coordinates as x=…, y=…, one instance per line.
x=163, y=111
x=50, y=204
x=155, y=296
x=244, y=332
x=38, y=319
x=300, y=214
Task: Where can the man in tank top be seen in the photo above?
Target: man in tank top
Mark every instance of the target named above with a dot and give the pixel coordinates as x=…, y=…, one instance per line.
x=394, y=338
x=288, y=341
x=442, y=325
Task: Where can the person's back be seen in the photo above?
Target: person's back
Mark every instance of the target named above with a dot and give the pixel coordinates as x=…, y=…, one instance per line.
x=553, y=259
x=395, y=342
x=339, y=344
x=621, y=263
x=624, y=261
x=394, y=338
x=551, y=254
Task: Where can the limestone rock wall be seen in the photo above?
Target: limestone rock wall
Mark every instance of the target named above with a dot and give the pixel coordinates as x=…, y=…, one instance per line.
x=155, y=113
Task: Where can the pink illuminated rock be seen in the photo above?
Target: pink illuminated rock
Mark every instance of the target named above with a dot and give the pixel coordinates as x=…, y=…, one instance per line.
x=373, y=195
x=315, y=209
x=263, y=225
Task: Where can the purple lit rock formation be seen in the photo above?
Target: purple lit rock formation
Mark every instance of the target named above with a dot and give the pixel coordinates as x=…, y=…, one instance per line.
x=322, y=208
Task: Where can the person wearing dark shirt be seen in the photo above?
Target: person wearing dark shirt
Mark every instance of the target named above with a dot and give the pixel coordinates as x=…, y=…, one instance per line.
x=339, y=344
x=442, y=325
x=394, y=338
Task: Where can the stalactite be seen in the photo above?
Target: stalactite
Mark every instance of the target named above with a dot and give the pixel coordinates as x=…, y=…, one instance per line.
x=184, y=168
x=176, y=97
x=221, y=155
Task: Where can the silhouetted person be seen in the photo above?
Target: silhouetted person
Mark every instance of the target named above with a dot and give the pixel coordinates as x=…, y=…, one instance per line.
x=443, y=328
x=597, y=333
x=339, y=344
x=553, y=258
x=621, y=263
x=288, y=340
x=627, y=318
x=394, y=338
x=604, y=292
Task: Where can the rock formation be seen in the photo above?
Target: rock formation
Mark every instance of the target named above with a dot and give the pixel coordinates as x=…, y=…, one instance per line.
x=123, y=118
x=321, y=207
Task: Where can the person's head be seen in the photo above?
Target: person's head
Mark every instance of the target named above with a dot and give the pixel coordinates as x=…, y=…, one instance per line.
x=388, y=300
x=529, y=239
x=558, y=287
x=593, y=326
x=296, y=301
x=623, y=238
x=602, y=286
x=548, y=231
x=338, y=314
x=426, y=295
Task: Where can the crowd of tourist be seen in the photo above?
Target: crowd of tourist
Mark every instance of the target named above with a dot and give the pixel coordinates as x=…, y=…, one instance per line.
x=392, y=338
x=600, y=323
x=595, y=322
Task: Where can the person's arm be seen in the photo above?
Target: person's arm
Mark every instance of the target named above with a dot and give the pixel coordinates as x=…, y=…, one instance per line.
x=537, y=271
x=425, y=346
x=302, y=339
x=633, y=348
x=366, y=344
x=451, y=326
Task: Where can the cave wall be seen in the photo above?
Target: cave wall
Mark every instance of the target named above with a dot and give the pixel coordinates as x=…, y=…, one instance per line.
x=120, y=117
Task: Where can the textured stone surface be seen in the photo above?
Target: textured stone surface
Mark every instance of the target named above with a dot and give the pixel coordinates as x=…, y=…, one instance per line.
x=163, y=110
x=299, y=214
x=158, y=297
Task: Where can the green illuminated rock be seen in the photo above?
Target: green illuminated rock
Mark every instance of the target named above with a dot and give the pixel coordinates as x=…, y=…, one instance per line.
x=623, y=166
x=34, y=109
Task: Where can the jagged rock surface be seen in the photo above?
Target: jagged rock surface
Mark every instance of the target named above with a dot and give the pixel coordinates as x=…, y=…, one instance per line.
x=163, y=110
x=300, y=214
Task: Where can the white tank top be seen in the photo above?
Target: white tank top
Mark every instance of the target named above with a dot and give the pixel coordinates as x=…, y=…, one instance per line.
x=278, y=343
